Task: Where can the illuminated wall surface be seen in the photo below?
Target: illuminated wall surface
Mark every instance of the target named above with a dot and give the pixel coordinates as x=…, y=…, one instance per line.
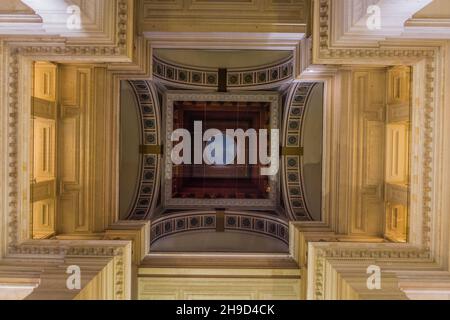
x=336, y=189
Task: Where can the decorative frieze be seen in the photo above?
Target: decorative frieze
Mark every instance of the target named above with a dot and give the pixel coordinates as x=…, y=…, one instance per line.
x=201, y=221
x=293, y=185
x=320, y=254
x=149, y=182
x=263, y=77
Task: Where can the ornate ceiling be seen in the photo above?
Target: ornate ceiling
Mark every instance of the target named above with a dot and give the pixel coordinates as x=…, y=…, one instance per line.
x=199, y=190
x=385, y=146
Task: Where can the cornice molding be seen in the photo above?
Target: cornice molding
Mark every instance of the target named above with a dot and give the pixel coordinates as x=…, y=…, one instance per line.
x=15, y=12
x=116, y=47
x=350, y=26
x=53, y=254
x=388, y=256
x=96, y=17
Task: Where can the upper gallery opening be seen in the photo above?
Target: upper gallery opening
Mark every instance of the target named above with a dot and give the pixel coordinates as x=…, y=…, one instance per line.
x=204, y=98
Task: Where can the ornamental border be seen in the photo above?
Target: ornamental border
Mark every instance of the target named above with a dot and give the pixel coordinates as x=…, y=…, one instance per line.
x=168, y=225
x=188, y=77
x=296, y=104
x=148, y=184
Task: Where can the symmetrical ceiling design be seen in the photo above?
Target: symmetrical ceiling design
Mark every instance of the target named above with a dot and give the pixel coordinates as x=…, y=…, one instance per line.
x=337, y=250
x=179, y=187
x=182, y=205
x=179, y=195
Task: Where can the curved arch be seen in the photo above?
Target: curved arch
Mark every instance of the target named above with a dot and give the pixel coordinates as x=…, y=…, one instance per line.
x=130, y=140
x=292, y=176
x=258, y=78
x=149, y=182
x=197, y=221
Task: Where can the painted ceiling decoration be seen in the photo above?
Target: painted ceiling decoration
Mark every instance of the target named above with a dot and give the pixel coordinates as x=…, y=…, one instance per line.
x=293, y=180
x=263, y=77
x=228, y=221
x=149, y=111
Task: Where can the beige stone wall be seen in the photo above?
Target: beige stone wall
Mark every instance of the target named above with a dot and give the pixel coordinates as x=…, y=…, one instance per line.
x=367, y=147
x=224, y=16
x=219, y=276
